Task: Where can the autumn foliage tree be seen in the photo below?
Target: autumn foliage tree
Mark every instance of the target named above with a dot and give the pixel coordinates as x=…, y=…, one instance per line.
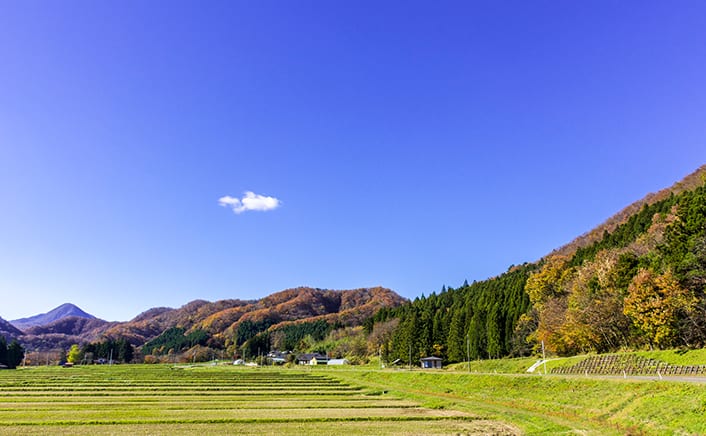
x=655, y=304
x=547, y=289
x=594, y=318
x=74, y=355
x=549, y=281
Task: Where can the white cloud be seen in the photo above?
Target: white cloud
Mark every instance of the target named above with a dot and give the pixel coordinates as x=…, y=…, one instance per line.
x=250, y=201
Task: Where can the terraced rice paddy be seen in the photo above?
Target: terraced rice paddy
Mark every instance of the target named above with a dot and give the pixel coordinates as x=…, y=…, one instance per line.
x=207, y=400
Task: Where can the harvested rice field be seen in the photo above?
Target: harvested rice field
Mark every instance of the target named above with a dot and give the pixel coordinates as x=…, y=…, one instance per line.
x=161, y=400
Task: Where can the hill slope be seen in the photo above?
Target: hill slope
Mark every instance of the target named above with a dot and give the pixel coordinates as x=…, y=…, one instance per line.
x=636, y=281
x=8, y=330
x=688, y=183
x=64, y=332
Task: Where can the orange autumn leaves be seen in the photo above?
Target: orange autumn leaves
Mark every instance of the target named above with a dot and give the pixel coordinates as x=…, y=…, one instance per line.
x=655, y=303
x=606, y=304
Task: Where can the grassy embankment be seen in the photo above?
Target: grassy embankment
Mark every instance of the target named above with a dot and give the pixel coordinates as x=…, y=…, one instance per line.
x=520, y=365
x=552, y=404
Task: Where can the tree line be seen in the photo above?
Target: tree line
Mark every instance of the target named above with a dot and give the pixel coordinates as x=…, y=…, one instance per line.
x=290, y=337
x=476, y=321
x=11, y=355
x=119, y=350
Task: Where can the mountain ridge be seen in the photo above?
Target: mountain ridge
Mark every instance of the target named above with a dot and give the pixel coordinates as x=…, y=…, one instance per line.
x=219, y=319
x=8, y=330
x=688, y=183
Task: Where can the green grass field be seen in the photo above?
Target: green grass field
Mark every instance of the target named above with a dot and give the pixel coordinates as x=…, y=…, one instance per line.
x=160, y=399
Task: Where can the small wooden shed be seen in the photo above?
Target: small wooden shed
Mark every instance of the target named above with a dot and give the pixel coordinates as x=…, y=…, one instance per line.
x=432, y=362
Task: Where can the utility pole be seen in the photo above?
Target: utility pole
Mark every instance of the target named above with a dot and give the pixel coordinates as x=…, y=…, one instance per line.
x=468, y=350
x=544, y=359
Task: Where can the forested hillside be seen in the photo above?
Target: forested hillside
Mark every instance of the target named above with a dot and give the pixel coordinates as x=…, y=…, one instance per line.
x=289, y=319
x=477, y=320
x=64, y=332
x=639, y=284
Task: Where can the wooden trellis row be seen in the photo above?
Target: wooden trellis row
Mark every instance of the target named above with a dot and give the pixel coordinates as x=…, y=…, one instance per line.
x=616, y=364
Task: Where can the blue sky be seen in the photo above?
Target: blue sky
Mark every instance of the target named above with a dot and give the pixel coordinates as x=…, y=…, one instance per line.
x=403, y=144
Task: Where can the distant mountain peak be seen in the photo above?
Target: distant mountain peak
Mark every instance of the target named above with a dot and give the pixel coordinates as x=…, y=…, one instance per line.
x=63, y=311
x=72, y=309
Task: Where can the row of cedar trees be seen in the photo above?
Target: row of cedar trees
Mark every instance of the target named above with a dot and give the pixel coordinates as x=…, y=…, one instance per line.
x=11, y=355
x=120, y=350
x=476, y=320
x=640, y=286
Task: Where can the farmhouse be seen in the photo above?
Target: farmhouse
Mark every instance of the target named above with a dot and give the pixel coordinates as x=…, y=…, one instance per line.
x=312, y=359
x=278, y=357
x=431, y=362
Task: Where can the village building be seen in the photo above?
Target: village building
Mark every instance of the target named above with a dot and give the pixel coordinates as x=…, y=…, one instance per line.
x=312, y=359
x=432, y=362
x=278, y=357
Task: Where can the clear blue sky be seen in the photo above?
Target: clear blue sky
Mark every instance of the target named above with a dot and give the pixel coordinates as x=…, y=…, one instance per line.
x=403, y=144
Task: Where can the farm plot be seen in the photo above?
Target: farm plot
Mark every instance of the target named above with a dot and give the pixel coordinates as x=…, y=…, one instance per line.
x=188, y=400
